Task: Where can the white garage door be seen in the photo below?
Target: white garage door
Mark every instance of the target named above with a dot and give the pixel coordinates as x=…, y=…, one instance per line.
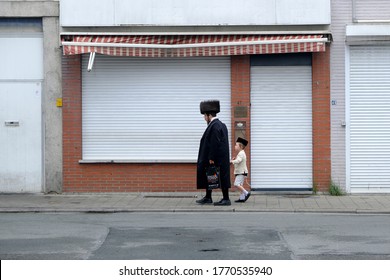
x=368, y=149
x=147, y=110
x=281, y=128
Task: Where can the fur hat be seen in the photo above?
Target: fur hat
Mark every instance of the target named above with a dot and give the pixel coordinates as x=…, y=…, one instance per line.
x=209, y=106
x=242, y=141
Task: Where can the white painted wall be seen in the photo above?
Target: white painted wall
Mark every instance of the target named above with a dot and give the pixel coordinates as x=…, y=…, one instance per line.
x=193, y=12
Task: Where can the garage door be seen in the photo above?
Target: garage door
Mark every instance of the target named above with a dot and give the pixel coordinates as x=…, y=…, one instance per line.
x=281, y=128
x=147, y=110
x=368, y=146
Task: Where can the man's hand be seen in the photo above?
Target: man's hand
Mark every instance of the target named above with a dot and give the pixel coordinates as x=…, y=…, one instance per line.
x=211, y=161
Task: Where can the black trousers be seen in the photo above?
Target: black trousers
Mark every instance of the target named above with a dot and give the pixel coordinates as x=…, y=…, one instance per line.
x=225, y=193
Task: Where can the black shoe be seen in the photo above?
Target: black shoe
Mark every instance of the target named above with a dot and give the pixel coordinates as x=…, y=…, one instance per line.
x=223, y=202
x=247, y=196
x=239, y=200
x=205, y=200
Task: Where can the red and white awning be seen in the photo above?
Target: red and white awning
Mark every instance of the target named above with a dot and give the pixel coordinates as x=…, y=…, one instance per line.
x=191, y=45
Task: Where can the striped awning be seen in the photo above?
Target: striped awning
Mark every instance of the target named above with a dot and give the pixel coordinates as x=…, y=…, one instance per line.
x=191, y=45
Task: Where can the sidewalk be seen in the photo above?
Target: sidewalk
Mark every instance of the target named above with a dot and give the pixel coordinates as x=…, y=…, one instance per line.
x=185, y=202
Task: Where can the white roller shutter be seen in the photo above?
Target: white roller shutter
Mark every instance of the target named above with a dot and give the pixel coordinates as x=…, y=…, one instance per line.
x=369, y=120
x=281, y=128
x=147, y=110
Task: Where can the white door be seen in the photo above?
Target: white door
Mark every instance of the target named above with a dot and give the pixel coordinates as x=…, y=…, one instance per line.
x=20, y=137
x=281, y=128
x=368, y=130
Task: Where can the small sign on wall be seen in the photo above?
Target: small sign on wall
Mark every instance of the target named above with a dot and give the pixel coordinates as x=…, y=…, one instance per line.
x=59, y=102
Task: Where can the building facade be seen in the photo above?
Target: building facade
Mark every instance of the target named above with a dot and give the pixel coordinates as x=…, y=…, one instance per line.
x=305, y=83
x=360, y=88
x=134, y=73
x=30, y=84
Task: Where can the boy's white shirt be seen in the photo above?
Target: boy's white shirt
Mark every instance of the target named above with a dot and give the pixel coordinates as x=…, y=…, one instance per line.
x=240, y=163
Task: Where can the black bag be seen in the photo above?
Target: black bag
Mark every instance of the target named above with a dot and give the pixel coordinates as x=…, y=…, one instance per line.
x=213, y=177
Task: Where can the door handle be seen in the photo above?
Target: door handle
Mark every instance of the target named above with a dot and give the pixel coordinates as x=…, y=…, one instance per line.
x=11, y=123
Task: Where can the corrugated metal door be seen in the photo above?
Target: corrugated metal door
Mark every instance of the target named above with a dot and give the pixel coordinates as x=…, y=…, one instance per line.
x=281, y=128
x=147, y=110
x=369, y=120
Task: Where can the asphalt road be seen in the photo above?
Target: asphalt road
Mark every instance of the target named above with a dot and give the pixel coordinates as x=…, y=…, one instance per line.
x=194, y=236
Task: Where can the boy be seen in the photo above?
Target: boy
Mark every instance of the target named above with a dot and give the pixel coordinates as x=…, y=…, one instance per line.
x=240, y=169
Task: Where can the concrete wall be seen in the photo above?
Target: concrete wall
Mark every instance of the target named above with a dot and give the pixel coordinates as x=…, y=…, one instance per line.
x=52, y=115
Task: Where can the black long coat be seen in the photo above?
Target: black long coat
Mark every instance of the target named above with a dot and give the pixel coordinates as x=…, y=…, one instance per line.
x=214, y=145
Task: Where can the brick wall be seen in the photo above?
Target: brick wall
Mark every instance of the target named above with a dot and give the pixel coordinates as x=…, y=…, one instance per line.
x=240, y=102
x=145, y=177
x=321, y=120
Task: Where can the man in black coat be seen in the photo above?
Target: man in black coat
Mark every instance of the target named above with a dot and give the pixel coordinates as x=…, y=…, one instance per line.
x=213, y=149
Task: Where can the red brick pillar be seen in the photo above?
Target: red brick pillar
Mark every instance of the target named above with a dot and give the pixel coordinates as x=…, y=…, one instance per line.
x=240, y=101
x=321, y=120
x=71, y=114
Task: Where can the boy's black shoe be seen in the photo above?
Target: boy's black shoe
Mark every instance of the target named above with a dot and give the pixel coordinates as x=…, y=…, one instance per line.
x=247, y=196
x=223, y=202
x=205, y=200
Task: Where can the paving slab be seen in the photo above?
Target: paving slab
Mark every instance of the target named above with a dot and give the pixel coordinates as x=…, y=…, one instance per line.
x=185, y=202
